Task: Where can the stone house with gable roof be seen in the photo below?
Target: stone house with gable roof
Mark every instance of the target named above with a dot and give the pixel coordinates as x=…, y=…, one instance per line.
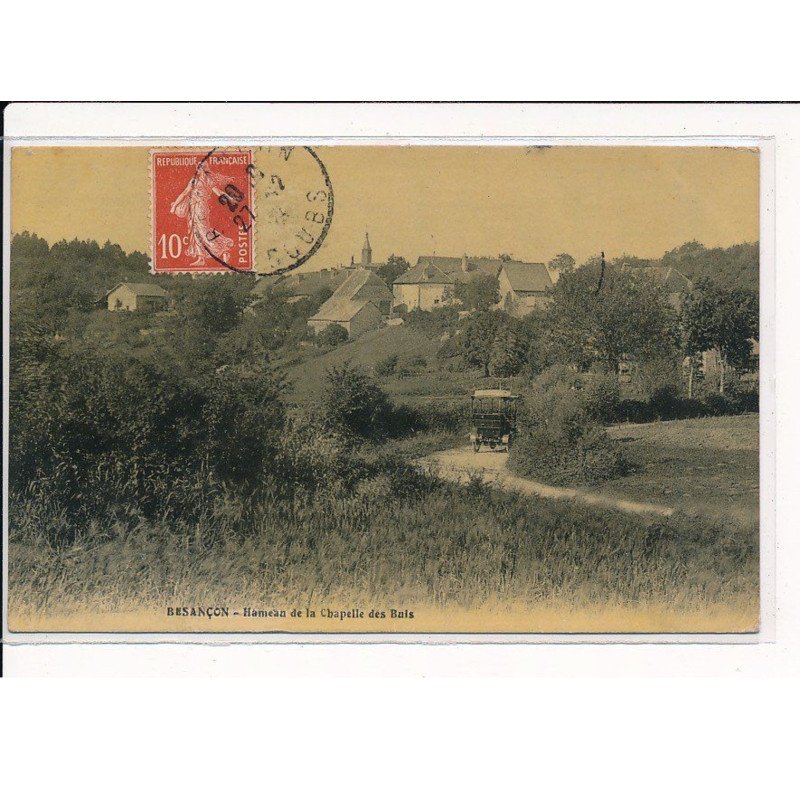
x=358, y=305
x=137, y=297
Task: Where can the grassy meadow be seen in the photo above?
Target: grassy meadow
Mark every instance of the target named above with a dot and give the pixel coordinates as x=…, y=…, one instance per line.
x=706, y=467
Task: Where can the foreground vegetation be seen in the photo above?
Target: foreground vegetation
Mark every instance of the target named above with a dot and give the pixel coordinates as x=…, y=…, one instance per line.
x=394, y=539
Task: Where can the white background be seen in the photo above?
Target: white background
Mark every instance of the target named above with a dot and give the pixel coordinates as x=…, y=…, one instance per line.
x=775, y=128
x=456, y=737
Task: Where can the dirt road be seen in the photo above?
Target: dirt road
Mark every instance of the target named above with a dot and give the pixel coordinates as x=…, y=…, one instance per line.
x=462, y=463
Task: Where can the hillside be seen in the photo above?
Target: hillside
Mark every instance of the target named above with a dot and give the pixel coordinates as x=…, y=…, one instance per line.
x=307, y=370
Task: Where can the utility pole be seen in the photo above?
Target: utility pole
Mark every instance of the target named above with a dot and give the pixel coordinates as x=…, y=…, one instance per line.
x=602, y=271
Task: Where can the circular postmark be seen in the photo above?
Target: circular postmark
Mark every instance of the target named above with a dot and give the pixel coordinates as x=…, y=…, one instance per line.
x=294, y=198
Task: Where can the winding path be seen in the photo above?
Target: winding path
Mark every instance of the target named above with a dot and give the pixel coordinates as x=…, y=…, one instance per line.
x=462, y=463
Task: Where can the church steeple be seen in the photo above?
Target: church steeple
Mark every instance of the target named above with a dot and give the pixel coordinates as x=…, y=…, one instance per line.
x=366, y=252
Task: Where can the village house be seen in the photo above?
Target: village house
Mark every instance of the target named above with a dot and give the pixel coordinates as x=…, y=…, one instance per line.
x=524, y=287
x=358, y=304
x=432, y=281
x=363, y=284
x=355, y=316
x=137, y=297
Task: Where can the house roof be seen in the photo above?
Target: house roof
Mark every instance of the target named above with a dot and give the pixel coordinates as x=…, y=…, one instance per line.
x=450, y=270
x=141, y=289
x=670, y=278
x=527, y=277
x=452, y=264
x=425, y=273
x=357, y=281
x=341, y=309
x=302, y=284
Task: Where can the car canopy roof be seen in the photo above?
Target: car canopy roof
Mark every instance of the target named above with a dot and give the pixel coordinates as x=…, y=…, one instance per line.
x=493, y=393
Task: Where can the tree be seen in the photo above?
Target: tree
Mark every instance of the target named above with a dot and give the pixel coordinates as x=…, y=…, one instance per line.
x=508, y=350
x=28, y=245
x=213, y=305
x=592, y=319
x=696, y=330
x=394, y=267
x=479, y=336
x=563, y=262
x=717, y=317
x=479, y=293
x=736, y=267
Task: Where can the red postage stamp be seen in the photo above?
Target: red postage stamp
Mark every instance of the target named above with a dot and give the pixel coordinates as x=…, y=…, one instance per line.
x=203, y=216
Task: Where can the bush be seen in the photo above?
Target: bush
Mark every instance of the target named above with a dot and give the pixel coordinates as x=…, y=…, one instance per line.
x=435, y=322
x=387, y=366
x=601, y=396
x=352, y=404
x=658, y=375
x=92, y=433
x=332, y=336
x=456, y=365
x=318, y=458
x=404, y=420
x=559, y=442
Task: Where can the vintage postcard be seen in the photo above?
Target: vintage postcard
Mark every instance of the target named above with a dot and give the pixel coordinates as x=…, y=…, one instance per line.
x=468, y=387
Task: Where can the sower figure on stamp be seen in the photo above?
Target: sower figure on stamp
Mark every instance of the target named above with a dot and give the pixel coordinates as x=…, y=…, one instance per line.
x=192, y=204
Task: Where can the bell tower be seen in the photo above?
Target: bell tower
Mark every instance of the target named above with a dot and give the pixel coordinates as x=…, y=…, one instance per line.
x=366, y=252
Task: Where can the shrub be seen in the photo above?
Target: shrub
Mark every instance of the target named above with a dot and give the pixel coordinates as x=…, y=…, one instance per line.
x=317, y=457
x=434, y=322
x=353, y=404
x=717, y=405
x=602, y=396
x=657, y=375
x=387, y=366
x=332, y=336
x=559, y=442
x=417, y=361
x=92, y=433
x=456, y=365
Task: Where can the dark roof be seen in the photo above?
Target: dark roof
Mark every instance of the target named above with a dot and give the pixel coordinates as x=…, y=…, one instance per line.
x=425, y=273
x=302, y=284
x=142, y=289
x=341, y=309
x=527, y=277
x=454, y=263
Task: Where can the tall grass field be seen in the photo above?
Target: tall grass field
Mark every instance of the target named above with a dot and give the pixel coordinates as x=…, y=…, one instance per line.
x=463, y=557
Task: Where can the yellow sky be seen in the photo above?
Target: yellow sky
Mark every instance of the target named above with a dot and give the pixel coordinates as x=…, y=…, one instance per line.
x=531, y=203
